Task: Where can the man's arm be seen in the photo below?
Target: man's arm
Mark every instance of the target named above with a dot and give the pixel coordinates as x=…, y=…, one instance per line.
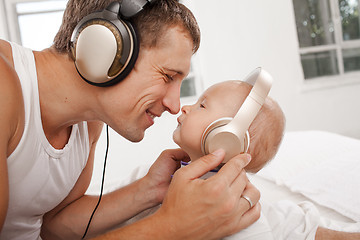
x=70, y=218
x=11, y=126
x=327, y=234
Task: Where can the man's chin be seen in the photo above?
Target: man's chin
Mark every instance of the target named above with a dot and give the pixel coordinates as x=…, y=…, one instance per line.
x=135, y=137
x=135, y=140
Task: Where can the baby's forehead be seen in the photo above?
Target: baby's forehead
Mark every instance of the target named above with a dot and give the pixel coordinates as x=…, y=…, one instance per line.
x=225, y=97
x=227, y=89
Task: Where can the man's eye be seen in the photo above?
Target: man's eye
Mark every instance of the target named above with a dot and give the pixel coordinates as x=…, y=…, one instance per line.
x=167, y=77
x=170, y=78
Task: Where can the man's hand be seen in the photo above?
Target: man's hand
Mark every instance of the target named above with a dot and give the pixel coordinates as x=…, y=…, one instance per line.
x=195, y=208
x=213, y=208
x=160, y=173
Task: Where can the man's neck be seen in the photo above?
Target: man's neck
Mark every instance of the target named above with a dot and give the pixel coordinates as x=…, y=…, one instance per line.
x=60, y=92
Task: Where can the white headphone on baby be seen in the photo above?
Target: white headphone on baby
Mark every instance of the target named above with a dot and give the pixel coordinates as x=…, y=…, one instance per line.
x=231, y=134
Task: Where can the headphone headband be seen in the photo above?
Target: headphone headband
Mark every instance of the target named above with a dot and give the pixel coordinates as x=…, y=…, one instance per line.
x=130, y=8
x=261, y=82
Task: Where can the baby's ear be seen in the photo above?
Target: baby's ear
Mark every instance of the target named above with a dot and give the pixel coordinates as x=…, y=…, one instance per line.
x=254, y=167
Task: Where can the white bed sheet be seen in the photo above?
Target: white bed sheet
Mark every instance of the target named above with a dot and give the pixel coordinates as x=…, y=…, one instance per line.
x=319, y=167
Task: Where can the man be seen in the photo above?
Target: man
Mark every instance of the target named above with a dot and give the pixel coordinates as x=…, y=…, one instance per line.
x=51, y=120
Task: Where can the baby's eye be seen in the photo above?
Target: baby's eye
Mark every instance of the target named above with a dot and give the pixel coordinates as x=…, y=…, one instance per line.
x=202, y=105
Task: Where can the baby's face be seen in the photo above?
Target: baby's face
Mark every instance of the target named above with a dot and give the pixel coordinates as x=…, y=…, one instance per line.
x=220, y=100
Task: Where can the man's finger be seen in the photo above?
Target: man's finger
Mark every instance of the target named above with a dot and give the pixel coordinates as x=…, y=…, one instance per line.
x=250, y=196
x=231, y=170
x=250, y=216
x=239, y=184
x=176, y=154
x=203, y=165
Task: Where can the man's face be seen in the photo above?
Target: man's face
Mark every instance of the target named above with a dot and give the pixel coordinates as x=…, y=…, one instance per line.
x=220, y=100
x=152, y=87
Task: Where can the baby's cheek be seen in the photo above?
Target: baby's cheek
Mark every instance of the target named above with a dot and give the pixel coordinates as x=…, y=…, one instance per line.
x=176, y=136
x=190, y=139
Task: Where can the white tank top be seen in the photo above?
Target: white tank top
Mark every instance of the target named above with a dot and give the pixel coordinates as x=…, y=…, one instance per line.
x=40, y=176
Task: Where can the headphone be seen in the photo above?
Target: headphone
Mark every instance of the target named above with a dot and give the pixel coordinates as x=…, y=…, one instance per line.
x=104, y=44
x=231, y=134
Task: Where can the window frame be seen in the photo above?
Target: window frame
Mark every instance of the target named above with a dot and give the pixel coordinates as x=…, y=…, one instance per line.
x=13, y=28
x=342, y=78
x=4, y=31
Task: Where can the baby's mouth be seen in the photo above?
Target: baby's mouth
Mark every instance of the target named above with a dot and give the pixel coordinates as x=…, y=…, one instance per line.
x=179, y=123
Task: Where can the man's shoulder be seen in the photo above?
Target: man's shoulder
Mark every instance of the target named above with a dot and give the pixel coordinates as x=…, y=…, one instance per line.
x=10, y=83
x=11, y=105
x=6, y=52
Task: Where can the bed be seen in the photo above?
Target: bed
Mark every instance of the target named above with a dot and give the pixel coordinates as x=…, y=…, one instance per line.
x=320, y=167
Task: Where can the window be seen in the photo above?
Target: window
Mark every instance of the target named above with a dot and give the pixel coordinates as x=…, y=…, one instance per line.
x=329, y=37
x=188, y=86
x=34, y=24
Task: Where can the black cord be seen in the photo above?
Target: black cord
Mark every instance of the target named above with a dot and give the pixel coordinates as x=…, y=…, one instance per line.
x=102, y=182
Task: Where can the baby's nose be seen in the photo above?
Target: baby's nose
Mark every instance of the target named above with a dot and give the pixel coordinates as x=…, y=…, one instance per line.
x=185, y=109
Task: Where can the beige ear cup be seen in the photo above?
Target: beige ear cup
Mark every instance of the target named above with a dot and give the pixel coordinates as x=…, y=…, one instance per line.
x=95, y=52
x=217, y=135
x=98, y=51
x=117, y=66
x=217, y=123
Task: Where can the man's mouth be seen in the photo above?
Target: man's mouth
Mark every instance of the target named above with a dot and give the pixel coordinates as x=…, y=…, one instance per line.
x=150, y=114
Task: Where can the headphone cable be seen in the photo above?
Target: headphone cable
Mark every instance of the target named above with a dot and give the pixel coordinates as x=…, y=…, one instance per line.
x=102, y=182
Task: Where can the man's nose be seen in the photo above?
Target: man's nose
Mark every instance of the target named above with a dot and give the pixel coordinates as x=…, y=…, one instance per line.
x=171, y=100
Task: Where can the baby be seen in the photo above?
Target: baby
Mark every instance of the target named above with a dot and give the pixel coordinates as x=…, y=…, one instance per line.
x=266, y=132
x=224, y=100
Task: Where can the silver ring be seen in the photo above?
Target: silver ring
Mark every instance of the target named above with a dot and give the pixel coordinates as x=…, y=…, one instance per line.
x=248, y=199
